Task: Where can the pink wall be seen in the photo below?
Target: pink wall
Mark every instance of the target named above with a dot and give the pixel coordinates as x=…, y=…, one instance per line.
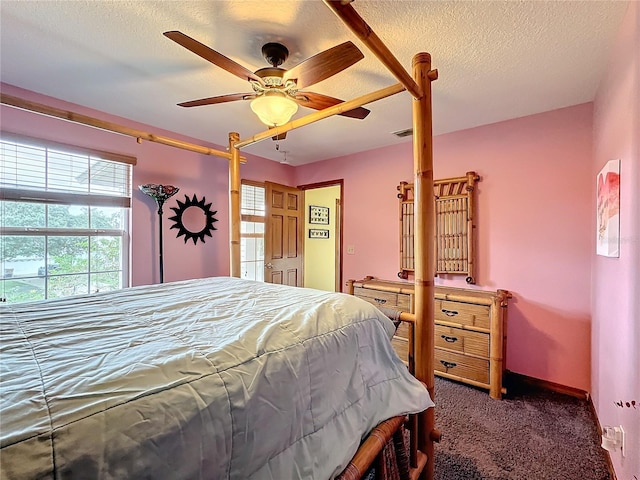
x=194, y=173
x=534, y=227
x=574, y=316
x=616, y=281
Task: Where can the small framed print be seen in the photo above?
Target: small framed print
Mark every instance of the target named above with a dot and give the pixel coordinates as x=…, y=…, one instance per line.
x=315, y=233
x=318, y=215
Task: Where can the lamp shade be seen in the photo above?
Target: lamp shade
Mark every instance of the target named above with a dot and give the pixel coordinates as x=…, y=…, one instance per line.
x=160, y=193
x=274, y=108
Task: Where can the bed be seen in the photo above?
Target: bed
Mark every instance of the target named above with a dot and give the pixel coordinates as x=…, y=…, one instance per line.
x=423, y=432
x=209, y=378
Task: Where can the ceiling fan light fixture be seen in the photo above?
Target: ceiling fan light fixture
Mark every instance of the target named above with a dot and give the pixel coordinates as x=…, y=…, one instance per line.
x=274, y=108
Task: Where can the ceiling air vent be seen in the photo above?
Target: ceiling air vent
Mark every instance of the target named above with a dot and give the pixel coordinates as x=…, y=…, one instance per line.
x=403, y=133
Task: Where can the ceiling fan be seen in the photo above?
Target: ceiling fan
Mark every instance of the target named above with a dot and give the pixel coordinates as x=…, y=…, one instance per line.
x=277, y=92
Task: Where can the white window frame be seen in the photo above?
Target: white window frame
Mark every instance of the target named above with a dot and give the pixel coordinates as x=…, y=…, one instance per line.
x=246, y=217
x=12, y=190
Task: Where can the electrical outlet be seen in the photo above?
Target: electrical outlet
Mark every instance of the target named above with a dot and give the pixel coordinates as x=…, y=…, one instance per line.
x=351, y=250
x=613, y=438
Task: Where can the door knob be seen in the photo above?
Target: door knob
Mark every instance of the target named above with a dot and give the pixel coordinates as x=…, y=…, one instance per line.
x=269, y=265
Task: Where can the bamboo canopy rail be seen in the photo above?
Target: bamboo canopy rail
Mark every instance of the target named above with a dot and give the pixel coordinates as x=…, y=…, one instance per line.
x=139, y=135
x=365, y=33
x=325, y=113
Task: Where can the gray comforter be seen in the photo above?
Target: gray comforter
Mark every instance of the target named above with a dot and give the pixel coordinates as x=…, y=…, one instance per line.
x=203, y=379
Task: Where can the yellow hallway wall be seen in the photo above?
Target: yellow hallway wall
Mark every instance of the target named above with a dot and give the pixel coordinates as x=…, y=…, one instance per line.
x=320, y=253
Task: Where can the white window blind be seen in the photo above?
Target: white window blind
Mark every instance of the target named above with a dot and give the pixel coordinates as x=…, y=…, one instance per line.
x=36, y=171
x=252, y=200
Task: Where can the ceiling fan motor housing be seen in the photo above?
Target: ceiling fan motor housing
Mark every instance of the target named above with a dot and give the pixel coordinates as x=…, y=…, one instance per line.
x=275, y=53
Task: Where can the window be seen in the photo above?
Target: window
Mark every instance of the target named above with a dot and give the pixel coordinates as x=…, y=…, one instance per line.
x=64, y=215
x=252, y=215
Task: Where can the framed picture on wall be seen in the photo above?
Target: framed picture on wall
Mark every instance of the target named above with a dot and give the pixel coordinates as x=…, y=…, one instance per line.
x=316, y=233
x=318, y=215
x=608, y=210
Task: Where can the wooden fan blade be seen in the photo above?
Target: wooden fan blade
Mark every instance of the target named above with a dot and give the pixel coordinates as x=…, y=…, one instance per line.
x=212, y=56
x=318, y=101
x=324, y=64
x=232, y=97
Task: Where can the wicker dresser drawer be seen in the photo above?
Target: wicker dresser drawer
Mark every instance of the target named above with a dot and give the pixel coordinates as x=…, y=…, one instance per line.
x=463, y=341
x=377, y=298
x=400, y=341
x=401, y=346
x=405, y=302
x=461, y=367
x=461, y=313
x=381, y=298
x=403, y=331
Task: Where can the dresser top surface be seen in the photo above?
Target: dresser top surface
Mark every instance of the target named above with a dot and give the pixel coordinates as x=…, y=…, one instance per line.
x=386, y=285
x=440, y=292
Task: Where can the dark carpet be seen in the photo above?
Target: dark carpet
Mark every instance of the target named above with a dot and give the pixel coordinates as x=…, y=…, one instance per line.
x=529, y=434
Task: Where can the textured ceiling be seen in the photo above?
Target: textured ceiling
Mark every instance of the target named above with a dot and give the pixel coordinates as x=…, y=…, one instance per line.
x=496, y=60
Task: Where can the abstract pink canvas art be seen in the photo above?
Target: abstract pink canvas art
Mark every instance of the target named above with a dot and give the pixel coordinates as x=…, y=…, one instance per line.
x=608, y=210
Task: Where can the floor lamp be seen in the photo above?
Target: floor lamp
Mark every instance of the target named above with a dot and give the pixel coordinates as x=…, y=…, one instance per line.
x=160, y=193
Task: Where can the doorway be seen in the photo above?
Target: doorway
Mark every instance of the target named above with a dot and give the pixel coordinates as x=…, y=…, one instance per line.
x=323, y=203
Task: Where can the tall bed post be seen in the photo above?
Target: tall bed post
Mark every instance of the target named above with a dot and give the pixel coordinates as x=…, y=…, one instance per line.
x=234, y=205
x=424, y=238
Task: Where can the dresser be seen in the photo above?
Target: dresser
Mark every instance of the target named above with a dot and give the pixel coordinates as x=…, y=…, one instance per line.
x=470, y=329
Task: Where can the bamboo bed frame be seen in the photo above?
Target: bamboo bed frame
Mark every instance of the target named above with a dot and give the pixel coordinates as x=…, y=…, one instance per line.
x=422, y=427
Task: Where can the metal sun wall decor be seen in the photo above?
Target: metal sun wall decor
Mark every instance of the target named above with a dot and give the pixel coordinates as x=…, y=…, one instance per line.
x=160, y=193
x=207, y=220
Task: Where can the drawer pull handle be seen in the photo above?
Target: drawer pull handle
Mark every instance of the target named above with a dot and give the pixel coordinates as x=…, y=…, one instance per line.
x=449, y=313
x=449, y=339
x=448, y=364
x=380, y=300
